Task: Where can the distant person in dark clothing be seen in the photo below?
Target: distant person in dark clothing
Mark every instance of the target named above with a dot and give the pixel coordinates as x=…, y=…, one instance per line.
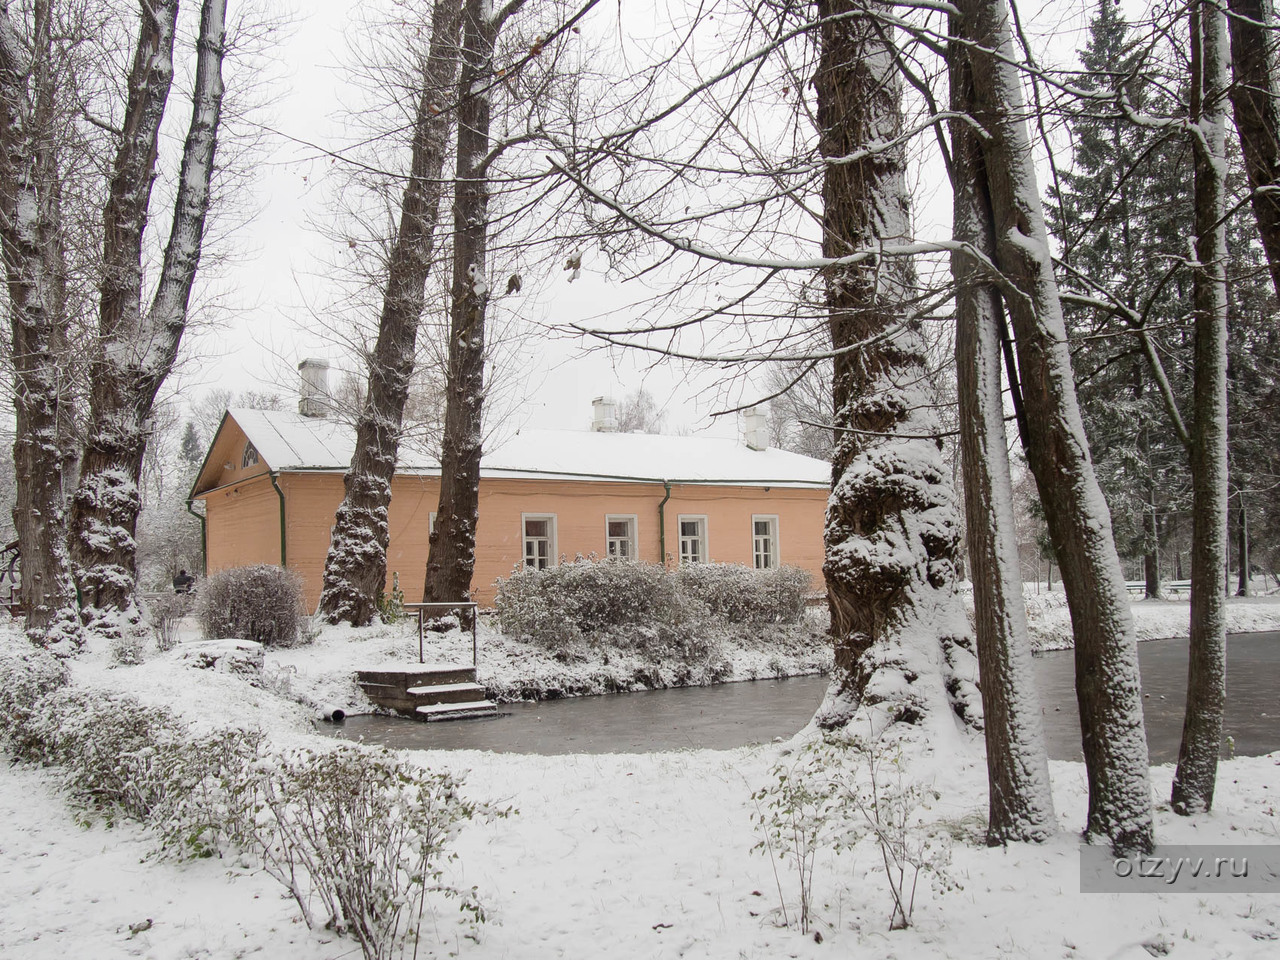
x=183, y=582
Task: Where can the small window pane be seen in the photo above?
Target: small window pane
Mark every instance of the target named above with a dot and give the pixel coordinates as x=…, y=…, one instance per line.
x=535, y=528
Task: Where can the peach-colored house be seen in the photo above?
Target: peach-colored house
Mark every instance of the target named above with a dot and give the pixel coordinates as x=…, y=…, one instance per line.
x=272, y=482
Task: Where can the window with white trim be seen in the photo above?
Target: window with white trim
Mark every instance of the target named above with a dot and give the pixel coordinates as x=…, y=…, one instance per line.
x=539, y=540
x=764, y=542
x=250, y=456
x=431, y=523
x=620, y=537
x=693, y=539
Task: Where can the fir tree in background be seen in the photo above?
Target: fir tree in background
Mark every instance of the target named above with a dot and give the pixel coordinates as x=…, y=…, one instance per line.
x=1121, y=216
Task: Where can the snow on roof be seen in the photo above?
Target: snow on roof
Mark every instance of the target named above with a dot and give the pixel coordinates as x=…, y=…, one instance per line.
x=286, y=440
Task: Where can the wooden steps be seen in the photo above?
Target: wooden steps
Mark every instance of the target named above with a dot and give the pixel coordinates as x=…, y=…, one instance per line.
x=428, y=691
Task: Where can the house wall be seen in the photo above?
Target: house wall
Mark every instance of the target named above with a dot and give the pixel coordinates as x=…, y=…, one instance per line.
x=580, y=508
x=242, y=524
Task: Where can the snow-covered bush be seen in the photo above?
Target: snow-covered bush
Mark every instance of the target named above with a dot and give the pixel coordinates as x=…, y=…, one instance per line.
x=164, y=613
x=364, y=835
x=262, y=603
x=28, y=675
x=355, y=831
x=737, y=594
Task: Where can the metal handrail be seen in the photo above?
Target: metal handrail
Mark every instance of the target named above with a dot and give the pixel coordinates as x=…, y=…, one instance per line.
x=420, y=610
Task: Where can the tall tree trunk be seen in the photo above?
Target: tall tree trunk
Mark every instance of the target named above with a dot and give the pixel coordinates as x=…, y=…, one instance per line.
x=29, y=228
x=452, y=556
x=1255, y=97
x=356, y=567
x=136, y=350
x=1020, y=801
x=902, y=649
x=1150, y=524
x=1107, y=683
x=1194, y=781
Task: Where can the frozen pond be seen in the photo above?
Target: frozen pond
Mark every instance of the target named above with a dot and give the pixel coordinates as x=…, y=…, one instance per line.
x=733, y=714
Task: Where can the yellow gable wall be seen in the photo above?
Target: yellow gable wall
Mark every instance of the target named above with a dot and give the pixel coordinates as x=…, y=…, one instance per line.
x=243, y=526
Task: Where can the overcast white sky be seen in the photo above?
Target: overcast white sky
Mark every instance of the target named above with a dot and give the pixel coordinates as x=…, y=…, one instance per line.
x=279, y=281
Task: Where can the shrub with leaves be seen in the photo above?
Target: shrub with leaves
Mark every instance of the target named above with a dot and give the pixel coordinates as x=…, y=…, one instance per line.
x=391, y=606
x=846, y=790
x=359, y=838
x=362, y=835
x=164, y=613
x=262, y=603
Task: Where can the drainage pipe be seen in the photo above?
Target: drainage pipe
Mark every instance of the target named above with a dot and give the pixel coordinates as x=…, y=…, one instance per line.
x=662, y=523
x=284, y=556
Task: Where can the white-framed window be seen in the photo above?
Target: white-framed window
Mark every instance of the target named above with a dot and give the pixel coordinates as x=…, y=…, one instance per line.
x=693, y=539
x=431, y=522
x=539, y=539
x=764, y=541
x=620, y=537
x=250, y=456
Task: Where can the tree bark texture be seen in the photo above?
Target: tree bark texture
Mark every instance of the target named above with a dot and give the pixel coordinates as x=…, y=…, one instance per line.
x=1020, y=801
x=1194, y=780
x=355, y=570
x=1255, y=97
x=452, y=556
x=136, y=349
x=1107, y=682
x=1242, y=548
x=29, y=233
x=903, y=651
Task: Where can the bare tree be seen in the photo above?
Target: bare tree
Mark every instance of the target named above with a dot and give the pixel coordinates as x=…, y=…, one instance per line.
x=892, y=531
x=639, y=413
x=137, y=346
x=1020, y=805
x=1107, y=683
x=1255, y=96
x=1193, y=783
x=31, y=230
x=356, y=567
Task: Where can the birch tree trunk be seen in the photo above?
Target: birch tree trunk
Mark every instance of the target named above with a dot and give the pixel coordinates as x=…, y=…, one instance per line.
x=356, y=567
x=29, y=234
x=902, y=645
x=1255, y=97
x=1107, y=682
x=1194, y=781
x=452, y=556
x=136, y=350
x=1020, y=800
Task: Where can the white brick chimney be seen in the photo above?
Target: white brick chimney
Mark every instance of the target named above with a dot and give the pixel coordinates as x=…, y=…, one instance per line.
x=313, y=388
x=604, y=415
x=755, y=429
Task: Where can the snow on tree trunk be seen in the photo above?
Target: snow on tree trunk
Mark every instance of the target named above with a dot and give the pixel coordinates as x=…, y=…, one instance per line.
x=1107, y=682
x=1197, y=771
x=452, y=556
x=355, y=570
x=28, y=224
x=902, y=644
x=1020, y=801
x=136, y=350
x=1255, y=97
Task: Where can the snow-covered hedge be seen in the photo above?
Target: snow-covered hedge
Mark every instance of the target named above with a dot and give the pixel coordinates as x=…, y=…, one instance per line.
x=667, y=615
x=736, y=594
x=262, y=603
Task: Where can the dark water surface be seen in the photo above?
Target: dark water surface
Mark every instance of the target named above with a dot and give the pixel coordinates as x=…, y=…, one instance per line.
x=733, y=714
x=1253, y=696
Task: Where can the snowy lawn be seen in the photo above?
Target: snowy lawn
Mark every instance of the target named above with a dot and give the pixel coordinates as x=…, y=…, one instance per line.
x=1049, y=621
x=642, y=855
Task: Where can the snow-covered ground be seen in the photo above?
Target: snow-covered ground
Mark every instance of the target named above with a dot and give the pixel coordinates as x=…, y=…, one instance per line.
x=645, y=855
x=1049, y=622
